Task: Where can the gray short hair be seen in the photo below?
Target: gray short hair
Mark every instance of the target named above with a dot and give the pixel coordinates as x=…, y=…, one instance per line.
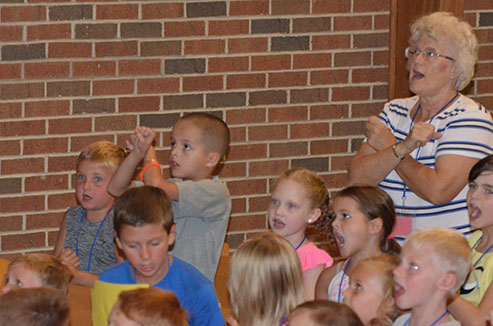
x=460, y=37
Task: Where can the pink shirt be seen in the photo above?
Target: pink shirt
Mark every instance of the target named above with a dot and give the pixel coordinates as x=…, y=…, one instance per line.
x=311, y=256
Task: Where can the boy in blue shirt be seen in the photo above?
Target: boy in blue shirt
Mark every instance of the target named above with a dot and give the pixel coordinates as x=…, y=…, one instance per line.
x=201, y=202
x=144, y=229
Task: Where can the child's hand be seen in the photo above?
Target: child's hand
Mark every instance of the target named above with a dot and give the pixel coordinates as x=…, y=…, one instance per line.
x=69, y=258
x=141, y=141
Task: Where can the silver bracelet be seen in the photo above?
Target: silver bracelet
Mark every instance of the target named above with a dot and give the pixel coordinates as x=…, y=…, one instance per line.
x=395, y=153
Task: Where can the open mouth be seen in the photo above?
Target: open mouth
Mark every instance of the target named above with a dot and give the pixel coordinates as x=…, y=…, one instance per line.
x=398, y=290
x=474, y=212
x=277, y=224
x=86, y=197
x=339, y=240
x=417, y=75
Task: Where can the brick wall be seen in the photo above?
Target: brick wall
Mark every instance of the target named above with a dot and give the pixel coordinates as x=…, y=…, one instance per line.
x=294, y=79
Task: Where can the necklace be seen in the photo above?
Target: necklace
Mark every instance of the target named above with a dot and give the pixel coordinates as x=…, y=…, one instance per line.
x=299, y=245
x=435, y=322
x=342, y=280
x=404, y=188
x=93, y=241
x=484, y=253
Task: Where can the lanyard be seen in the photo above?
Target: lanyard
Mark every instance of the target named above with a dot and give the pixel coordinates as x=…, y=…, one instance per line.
x=404, y=188
x=342, y=279
x=304, y=238
x=484, y=253
x=434, y=323
x=93, y=241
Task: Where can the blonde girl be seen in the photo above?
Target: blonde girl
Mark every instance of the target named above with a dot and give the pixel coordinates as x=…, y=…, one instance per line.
x=300, y=198
x=364, y=220
x=371, y=290
x=265, y=282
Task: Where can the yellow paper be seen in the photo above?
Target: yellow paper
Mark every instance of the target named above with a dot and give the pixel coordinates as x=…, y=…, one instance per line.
x=104, y=295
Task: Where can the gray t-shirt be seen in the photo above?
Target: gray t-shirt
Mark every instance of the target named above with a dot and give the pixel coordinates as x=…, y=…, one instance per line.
x=103, y=253
x=201, y=216
x=403, y=321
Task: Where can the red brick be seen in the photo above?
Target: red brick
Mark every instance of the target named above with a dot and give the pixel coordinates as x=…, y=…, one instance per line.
x=271, y=62
x=309, y=130
x=340, y=163
x=61, y=201
x=202, y=83
x=351, y=59
x=234, y=170
x=120, y=11
x=50, y=69
x=139, y=67
x=244, y=116
x=370, y=5
x=162, y=10
x=290, y=7
x=369, y=75
x=113, y=87
x=288, y=149
x=10, y=223
x=238, y=134
x=265, y=168
x=227, y=64
x=247, y=151
x=286, y=114
x=10, y=71
x=23, y=13
x=248, y=8
x=45, y=145
x=287, y=79
x=22, y=204
x=24, y=165
x=350, y=93
x=331, y=6
x=249, y=222
x=116, y=49
x=485, y=52
x=69, y=50
x=94, y=68
x=112, y=123
x=10, y=33
x=187, y=28
x=72, y=125
x=258, y=204
x=477, y=4
x=65, y=163
x=267, y=132
x=248, y=45
x=484, y=36
x=330, y=42
x=381, y=58
x=18, y=90
x=247, y=187
x=381, y=21
x=485, y=86
x=484, y=69
x=238, y=205
x=158, y=85
x=47, y=108
x=137, y=104
x=245, y=81
x=204, y=47
x=337, y=180
x=46, y=182
x=10, y=110
x=43, y=221
x=23, y=241
x=328, y=146
x=22, y=128
x=10, y=147
x=364, y=110
x=352, y=23
x=314, y=60
x=228, y=27
x=326, y=77
x=49, y=32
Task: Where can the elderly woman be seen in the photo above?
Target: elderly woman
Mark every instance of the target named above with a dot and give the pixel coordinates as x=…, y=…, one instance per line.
x=420, y=149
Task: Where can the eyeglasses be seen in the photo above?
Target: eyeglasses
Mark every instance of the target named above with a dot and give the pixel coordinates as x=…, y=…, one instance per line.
x=427, y=54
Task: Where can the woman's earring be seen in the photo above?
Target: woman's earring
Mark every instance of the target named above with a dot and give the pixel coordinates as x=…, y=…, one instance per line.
x=309, y=220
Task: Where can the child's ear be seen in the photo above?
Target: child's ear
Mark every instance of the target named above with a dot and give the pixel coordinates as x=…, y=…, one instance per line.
x=447, y=281
x=315, y=215
x=117, y=240
x=213, y=159
x=172, y=235
x=376, y=225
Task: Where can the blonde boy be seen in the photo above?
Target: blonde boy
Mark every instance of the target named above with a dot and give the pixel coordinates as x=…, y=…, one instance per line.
x=434, y=264
x=37, y=270
x=86, y=242
x=201, y=202
x=147, y=307
x=144, y=230
x=34, y=307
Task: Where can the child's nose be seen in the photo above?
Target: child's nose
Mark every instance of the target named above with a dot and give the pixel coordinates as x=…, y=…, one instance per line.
x=145, y=253
x=6, y=288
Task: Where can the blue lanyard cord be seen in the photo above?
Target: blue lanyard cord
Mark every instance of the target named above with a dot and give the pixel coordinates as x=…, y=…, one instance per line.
x=411, y=127
x=342, y=280
x=304, y=238
x=484, y=253
x=93, y=241
x=434, y=323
